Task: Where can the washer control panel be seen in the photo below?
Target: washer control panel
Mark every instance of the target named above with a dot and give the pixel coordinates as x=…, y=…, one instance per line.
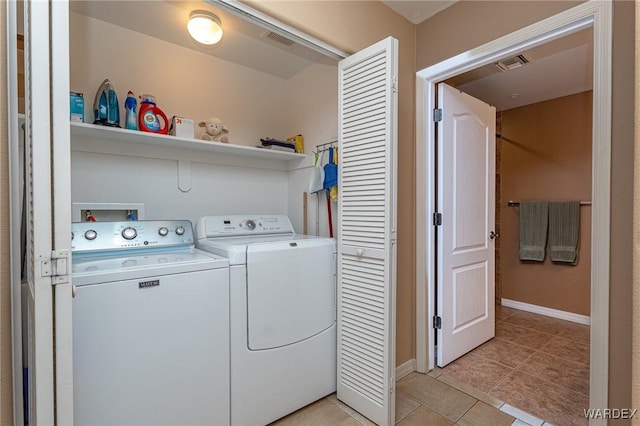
x=106, y=236
x=239, y=225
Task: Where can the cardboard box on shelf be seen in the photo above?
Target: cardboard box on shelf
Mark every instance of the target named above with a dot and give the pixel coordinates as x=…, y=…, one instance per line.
x=298, y=140
x=76, y=106
x=181, y=127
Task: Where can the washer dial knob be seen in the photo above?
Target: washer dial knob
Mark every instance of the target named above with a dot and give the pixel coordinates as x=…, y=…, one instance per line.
x=163, y=231
x=249, y=223
x=180, y=230
x=129, y=233
x=90, y=234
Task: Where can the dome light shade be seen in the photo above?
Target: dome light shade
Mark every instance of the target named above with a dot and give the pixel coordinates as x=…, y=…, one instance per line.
x=204, y=27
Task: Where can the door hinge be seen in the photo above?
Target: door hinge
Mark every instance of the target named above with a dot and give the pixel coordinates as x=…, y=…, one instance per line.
x=437, y=322
x=394, y=85
x=437, y=219
x=437, y=115
x=56, y=267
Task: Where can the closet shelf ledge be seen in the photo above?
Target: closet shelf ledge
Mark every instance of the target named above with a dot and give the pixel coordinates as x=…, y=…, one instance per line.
x=92, y=131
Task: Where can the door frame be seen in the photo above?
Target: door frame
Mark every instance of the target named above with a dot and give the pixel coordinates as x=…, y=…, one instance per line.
x=597, y=15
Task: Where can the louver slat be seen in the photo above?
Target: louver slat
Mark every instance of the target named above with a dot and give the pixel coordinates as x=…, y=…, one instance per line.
x=366, y=362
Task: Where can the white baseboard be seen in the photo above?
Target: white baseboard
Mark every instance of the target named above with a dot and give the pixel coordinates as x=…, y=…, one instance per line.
x=405, y=369
x=555, y=313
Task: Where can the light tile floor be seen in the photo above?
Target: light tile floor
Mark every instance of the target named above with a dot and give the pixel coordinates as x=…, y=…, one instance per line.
x=535, y=368
x=536, y=363
x=433, y=399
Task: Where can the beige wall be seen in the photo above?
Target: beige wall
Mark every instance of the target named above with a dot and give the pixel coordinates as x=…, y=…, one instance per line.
x=546, y=155
x=620, y=318
x=236, y=94
x=635, y=378
x=352, y=26
x=468, y=24
x=6, y=389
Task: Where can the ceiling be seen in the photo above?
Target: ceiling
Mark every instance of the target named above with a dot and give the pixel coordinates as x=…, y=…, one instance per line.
x=243, y=43
x=417, y=11
x=558, y=68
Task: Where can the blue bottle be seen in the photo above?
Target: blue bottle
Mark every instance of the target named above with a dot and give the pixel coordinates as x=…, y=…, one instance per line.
x=130, y=112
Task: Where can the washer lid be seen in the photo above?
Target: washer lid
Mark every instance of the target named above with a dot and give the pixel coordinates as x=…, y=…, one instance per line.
x=235, y=248
x=93, y=269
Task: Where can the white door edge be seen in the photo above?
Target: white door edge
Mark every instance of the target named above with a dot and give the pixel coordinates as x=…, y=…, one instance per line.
x=590, y=14
x=15, y=214
x=61, y=179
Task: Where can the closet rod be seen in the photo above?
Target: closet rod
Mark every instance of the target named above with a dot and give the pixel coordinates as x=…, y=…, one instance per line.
x=517, y=203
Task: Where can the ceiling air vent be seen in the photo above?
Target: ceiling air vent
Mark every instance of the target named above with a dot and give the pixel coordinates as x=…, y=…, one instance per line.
x=277, y=38
x=513, y=62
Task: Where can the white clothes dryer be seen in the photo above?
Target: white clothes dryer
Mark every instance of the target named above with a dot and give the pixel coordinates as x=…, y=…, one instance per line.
x=150, y=326
x=283, y=313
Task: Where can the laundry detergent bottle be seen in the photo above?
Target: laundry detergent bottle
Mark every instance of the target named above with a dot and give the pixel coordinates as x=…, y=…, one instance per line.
x=151, y=118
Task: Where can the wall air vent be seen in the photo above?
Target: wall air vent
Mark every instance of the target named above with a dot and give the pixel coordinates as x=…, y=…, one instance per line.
x=513, y=62
x=277, y=38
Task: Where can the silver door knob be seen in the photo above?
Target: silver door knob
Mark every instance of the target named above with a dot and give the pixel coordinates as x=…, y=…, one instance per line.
x=493, y=235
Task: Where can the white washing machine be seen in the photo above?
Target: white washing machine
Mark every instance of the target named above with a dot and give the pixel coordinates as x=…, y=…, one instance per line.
x=283, y=314
x=150, y=326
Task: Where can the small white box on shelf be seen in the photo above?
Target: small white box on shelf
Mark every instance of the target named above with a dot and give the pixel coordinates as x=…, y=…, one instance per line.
x=181, y=127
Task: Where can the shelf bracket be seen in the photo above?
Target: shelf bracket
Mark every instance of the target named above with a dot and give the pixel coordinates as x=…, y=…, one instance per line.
x=184, y=175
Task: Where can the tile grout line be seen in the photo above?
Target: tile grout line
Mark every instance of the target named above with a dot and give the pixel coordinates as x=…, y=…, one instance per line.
x=500, y=382
x=541, y=350
x=455, y=422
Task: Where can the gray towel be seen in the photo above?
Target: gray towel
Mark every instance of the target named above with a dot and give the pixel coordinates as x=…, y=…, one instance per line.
x=564, y=228
x=534, y=216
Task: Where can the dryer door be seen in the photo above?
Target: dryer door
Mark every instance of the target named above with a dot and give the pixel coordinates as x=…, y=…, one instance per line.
x=291, y=291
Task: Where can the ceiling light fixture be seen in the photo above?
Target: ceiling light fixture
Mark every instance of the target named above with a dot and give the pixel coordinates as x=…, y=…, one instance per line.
x=204, y=27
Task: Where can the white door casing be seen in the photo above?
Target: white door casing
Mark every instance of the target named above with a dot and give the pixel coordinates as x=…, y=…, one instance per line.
x=367, y=131
x=592, y=14
x=16, y=155
x=466, y=201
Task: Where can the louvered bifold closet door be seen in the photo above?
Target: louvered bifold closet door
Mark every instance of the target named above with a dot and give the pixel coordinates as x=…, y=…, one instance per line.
x=40, y=360
x=366, y=231
x=48, y=215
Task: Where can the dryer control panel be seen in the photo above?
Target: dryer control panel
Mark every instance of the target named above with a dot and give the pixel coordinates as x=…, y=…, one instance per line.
x=89, y=237
x=240, y=225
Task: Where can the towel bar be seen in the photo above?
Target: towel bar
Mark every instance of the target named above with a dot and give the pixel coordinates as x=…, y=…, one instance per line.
x=517, y=203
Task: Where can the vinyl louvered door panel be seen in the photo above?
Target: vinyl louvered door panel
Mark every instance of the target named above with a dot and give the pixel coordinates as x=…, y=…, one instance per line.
x=40, y=381
x=366, y=231
x=48, y=216
x=61, y=177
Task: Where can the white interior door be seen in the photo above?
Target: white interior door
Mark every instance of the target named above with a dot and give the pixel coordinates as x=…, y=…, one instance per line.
x=466, y=201
x=367, y=97
x=50, y=380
